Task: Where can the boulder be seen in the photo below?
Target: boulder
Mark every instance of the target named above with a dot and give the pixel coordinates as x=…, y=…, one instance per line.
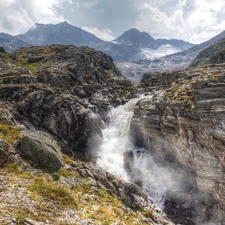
x=41, y=148
x=3, y=152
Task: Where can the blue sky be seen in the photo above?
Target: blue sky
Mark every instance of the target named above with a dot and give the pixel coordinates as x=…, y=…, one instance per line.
x=191, y=20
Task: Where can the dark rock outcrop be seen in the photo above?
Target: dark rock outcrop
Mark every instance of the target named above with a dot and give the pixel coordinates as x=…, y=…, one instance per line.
x=63, y=90
x=183, y=127
x=214, y=54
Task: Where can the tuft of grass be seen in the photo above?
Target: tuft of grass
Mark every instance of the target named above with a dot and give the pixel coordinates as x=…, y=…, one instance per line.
x=14, y=169
x=66, y=159
x=63, y=172
x=33, y=67
x=9, y=133
x=52, y=191
x=148, y=214
x=20, y=219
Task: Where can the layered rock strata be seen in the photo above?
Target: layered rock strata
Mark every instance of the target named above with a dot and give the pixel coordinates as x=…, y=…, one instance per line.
x=183, y=128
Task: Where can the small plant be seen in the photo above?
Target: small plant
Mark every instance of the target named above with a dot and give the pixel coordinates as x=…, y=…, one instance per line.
x=20, y=219
x=8, y=133
x=66, y=159
x=148, y=214
x=12, y=168
x=54, y=192
x=63, y=172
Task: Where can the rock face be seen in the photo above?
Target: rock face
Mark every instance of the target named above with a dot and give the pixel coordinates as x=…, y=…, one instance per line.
x=214, y=54
x=183, y=128
x=41, y=148
x=63, y=90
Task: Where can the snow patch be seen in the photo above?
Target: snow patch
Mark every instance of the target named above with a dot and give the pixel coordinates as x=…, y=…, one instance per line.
x=148, y=53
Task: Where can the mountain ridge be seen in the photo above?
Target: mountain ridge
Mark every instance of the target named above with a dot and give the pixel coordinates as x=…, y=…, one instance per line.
x=127, y=47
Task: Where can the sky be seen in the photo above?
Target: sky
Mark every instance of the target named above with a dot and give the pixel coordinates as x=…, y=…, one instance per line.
x=195, y=21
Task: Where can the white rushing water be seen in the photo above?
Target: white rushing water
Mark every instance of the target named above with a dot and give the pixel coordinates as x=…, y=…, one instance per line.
x=116, y=141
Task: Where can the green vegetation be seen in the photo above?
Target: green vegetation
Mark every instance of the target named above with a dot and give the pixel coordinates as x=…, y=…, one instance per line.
x=33, y=67
x=63, y=172
x=148, y=214
x=8, y=133
x=52, y=191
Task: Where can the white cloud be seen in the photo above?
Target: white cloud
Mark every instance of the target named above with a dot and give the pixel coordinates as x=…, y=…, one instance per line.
x=90, y=3
x=192, y=20
x=17, y=16
x=104, y=34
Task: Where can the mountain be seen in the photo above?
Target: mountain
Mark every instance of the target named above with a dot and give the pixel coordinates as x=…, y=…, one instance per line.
x=213, y=54
x=134, y=45
x=184, y=58
x=62, y=33
x=11, y=43
x=179, y=60
x=135, y=38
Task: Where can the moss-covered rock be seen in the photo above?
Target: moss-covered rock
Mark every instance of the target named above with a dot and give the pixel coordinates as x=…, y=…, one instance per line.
x=41, y=148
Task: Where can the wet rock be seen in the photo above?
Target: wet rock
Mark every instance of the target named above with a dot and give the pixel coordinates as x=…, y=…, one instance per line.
x=128, y=161
x=133, y=173
x=183, y=129
x=41, y=148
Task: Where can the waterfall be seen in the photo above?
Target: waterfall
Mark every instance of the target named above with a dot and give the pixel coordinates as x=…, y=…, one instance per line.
x=116, y=141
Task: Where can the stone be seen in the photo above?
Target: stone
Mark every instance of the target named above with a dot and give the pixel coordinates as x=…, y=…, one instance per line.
x=3, y=157
x=4, y=146
x=41, y=148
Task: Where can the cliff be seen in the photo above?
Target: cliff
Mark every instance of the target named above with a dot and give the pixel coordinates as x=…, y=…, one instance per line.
x=182, y=126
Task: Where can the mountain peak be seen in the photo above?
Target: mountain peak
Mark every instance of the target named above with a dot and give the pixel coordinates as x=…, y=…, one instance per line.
x=134, y=37
x=134, y=31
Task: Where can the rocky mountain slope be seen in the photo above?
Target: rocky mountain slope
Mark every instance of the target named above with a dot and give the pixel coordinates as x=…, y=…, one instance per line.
x=134, y=45
x=11, y=43
x=179, y=60
x=182, y=126
x=211, y=55
x=62, y=33
x=52, y=100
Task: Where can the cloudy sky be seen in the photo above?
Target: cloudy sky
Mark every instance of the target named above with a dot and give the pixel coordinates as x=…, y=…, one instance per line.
x=191, y=20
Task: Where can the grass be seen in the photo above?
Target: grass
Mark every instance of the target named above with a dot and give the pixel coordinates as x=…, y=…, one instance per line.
x=49, y=190
x=52, y=200
x=148, y=214
x=63, y=172
x=33, y=67
x=8, y=133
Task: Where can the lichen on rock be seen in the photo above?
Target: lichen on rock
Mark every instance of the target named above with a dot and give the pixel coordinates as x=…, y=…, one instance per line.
x=41, y=148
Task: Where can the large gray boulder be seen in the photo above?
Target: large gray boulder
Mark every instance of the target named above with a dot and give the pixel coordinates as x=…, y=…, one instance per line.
x=41, y=148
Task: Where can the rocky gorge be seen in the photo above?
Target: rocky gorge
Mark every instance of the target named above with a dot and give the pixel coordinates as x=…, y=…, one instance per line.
x=55, y=100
